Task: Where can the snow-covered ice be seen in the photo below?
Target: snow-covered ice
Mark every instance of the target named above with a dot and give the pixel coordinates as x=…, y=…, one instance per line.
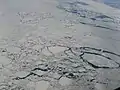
x=59, y=45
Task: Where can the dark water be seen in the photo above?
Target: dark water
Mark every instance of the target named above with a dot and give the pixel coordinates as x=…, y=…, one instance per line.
x=113, y=3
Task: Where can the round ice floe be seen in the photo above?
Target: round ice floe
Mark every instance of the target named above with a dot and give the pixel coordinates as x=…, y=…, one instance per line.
x=101, y=61
x=31, y=85
x=46, y=52
x=21, y=74
x=4, y=60
x=65, y=81
x=13, y=49
x=42, y=85
x=99, y=86
x=56, y=49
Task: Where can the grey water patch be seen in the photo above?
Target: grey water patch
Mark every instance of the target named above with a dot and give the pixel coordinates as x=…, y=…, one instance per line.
x=103, y=16
x=81, y=3
x=112, y=3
